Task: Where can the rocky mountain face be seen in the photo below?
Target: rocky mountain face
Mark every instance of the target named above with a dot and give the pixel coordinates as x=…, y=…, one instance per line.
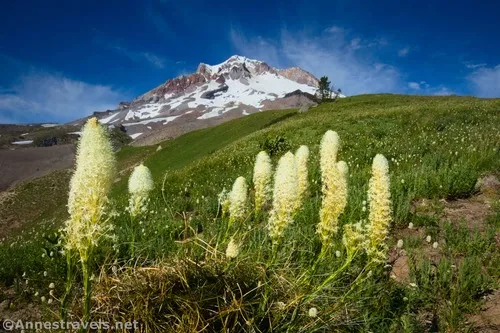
x=239, y=86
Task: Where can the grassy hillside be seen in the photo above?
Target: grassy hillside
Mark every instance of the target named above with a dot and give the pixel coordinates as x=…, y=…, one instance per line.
x=437, y=147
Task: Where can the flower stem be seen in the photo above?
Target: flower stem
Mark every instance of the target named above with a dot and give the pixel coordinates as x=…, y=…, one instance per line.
x=69, y=284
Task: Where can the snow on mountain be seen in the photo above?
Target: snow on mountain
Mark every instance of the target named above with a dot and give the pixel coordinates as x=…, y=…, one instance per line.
x=214, y=93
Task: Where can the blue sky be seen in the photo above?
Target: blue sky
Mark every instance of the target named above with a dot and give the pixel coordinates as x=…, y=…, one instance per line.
x=61, y=60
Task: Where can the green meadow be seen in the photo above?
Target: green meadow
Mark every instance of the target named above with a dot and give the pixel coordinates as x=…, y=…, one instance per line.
x=442, y=254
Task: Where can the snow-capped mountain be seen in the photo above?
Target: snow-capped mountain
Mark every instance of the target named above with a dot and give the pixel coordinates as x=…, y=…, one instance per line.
x=238, y=86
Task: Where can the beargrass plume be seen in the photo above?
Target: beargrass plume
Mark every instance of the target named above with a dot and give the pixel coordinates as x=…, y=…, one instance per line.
x=379, y=198
x=285, y=196
x=87, y=203
x=140, y=184
x=333, y=187
x=262, y=180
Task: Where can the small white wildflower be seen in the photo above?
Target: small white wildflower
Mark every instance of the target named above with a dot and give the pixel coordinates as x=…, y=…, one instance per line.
x=313, y=312
x=42, y=299
x=428, y=238
x=413, y=285
x=49, y=301
x=280, y=305
x=51, y=253
x=36, y=294
x=337, y=254
x=45, y=273
x=410, y=225
x=400, y=244
x=435, y=245
x=52, y=285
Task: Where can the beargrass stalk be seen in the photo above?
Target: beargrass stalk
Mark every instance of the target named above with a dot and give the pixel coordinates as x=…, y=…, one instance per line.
x=262, y=179
x=88, y=197
x=140, y=184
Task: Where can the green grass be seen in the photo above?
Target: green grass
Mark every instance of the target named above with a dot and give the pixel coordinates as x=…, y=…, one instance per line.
x=437, y=147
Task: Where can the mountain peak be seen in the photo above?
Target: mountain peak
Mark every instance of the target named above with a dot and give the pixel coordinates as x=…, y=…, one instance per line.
x=236, y=87
x=228, y=64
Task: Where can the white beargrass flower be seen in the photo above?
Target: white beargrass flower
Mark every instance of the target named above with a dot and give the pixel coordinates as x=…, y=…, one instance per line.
x=52, y=285
x=435, y=245
x=334, y=187
x=89, y=188
x=329, y=147
x=285, y=192
x=302, y=157
x=233, y=249
x=400, y=244
x=88, y=197
x=379, y=198
x=140, y=184
x=238, y=200
x=262, y=177
x=428, y=238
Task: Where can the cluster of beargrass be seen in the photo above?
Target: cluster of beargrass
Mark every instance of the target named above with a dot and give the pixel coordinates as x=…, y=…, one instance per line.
x=278, y=197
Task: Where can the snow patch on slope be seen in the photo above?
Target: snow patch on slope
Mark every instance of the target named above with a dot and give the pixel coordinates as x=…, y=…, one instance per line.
x=267, y=86
x=154, y=120
x=24, y=142
x=108, y=119
x=135, y=135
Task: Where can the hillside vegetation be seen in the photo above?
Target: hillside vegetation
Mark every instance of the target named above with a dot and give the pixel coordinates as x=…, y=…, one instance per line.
x=170, y=267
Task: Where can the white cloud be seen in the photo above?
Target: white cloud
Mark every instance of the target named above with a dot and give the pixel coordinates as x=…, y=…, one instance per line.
x=424, y=88
x=485, y=81
x=350, y=64
x=356, y=43
x=42, y=97
x=335, y=29
x=404, y=51
x=257, y=47
x=443, y=91
x=414, y=85
x=139, y=56
x=474, y=66
x=422, y=85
